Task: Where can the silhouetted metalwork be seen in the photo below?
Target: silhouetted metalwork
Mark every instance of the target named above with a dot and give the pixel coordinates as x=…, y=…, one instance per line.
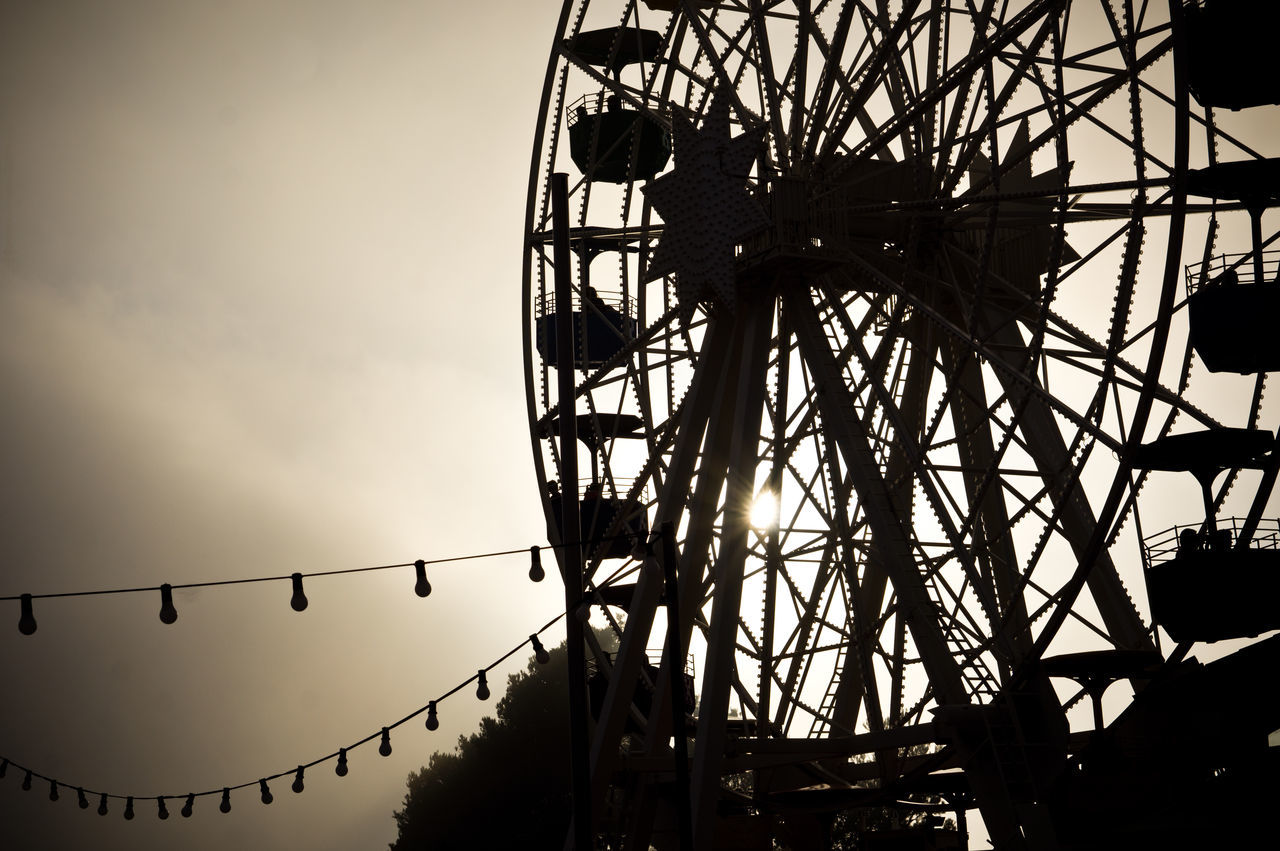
x=1214, y=580
x=601, y=327
x=616, y=47
x=1233, y=312
x=1231, y=53
x=1185, y=765
x=892, y=336
x=568, y=528
x=611, y=141
x=1233, y=300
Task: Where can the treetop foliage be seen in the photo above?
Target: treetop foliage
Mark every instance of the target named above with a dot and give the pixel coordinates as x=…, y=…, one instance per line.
x=505, y=786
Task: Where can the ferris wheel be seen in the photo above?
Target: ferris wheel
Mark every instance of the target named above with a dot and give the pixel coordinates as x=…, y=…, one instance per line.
x=935, y=332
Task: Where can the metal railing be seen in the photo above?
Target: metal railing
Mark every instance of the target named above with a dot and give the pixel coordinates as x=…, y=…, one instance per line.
x=1165, y=546
x=652, y=656
x=1232, y=269
x=617, y=487
x=620, y=302
x=597, y=102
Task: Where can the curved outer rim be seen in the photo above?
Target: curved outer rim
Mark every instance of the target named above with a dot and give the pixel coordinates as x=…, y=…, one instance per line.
x=526, y=310
x=1113, y=507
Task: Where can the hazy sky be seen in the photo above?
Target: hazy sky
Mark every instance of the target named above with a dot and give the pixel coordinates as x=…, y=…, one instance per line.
x=259, y=313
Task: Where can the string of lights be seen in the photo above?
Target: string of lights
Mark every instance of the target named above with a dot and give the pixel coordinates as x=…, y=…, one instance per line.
x=431, y=708
x=83, y=794
x=298, y=601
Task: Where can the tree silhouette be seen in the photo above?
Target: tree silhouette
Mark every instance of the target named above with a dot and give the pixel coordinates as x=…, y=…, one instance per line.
x=506, y=786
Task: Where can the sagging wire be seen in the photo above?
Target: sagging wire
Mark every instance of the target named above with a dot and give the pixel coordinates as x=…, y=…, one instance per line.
x=341, y=769
x=298, y=601
x=168, y=615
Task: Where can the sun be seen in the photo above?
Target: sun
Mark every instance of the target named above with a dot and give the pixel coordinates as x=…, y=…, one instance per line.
x=764, y=511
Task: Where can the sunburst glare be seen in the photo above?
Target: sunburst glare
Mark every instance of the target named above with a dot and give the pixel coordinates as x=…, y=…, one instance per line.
x=764, y=511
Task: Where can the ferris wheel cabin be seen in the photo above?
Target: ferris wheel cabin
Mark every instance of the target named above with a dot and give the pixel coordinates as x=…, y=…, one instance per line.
x=1234, y=299
x=602, y=325
x=610, y=525
x=614, y=143
x=611, y=141
x=604, y=517
x=616, y=47
x=1233, y=313
x=1219, y=579
x=1231, y=48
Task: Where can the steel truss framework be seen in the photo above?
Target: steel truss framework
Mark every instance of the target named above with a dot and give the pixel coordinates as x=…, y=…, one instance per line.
x=940, y=349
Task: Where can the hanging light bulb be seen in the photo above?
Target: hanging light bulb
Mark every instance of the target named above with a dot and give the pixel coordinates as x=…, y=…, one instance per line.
x=168, y=614
x=128, y=808
x=53, y=790
x=225, y=806
x=190, y=805
x=536, y=573
x=539, y=652
x=27, y=622
x=81, y=799
x=482, y=687
x=297, y=780
x=102, y=804
x=26, y=781
x=299, y=600
x=161, y=809
x=385, y=747
x=341, y=770
x=422, y=587
x=267, y=797
x=433, y=723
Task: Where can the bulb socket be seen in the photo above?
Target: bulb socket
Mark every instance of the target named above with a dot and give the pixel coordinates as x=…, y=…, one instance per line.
x=27, y=620
x=536, y=573
x=384, y=747
x=168, y=612
x=422, y=587
x=299, y=599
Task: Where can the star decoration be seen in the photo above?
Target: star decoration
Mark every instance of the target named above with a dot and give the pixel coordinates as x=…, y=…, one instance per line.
x=705, y=207
x=1024, y=235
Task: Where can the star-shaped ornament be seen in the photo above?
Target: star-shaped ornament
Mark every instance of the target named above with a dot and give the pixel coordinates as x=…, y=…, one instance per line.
x=705, y=207
x=1024, y=234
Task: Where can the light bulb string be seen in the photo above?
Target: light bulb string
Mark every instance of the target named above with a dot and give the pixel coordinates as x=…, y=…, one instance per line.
x=6, y=764
x=288, y=576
